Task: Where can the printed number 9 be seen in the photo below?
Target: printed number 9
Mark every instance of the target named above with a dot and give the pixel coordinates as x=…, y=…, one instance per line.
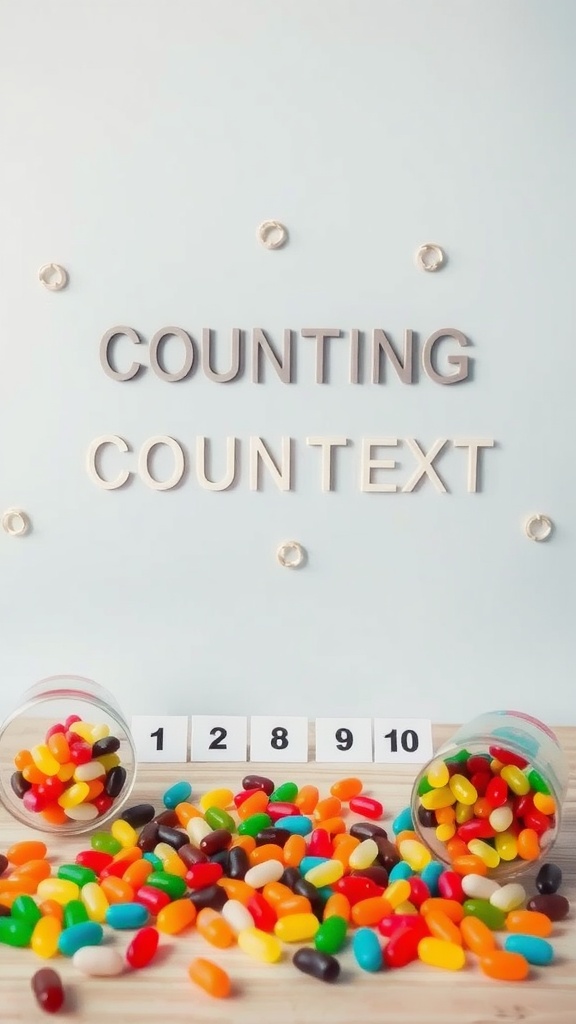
x=344, y=739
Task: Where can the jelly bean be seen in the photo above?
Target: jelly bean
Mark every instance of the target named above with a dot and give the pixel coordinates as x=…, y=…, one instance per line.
x=176, y=916
x=528, y=845
x=256, y=803
x=485, y=852
x=431, y=876
x=438, y=798
x=307, y=798
x=217, y=798
x=402, y=946
x=509, y=897
x=450, y=886
x=325, y=874
x=469, y=864
x=154, y=900
x=537, y=782
x=89, y=933
x=337, y=905
x=463, y=790
x=438, y=774
x=284, y=793
x=477, y=936
x=367, y=950
x=330, y=807
x=117, y=890
x=80, y=753
x=218, y=818
x=478, y=886
x=504, y=966
x=370, y=911
x=214, y=895
x=397, y=892
x=439, y=953
x=400, y=870
x=126, y=915
x=178, y=793
x=49, y=908
x=516, y=779
x=74, y=913
x=331, y=935
x=19, y=784
x=363, y=855
x=545, y=804
x=25, y=851
x=105, y=843
x=44, y=759
x=534, y=949
x=25, y=909
x=172, y=885
x=89, y=772
x=260, y=874
x=317, y=964
x=268, y=851
x=501, y=818
x=214, y=928
x=442, y=927
x=506, y=846
x=76, y=873
x=255, y=823
x=74, y=795
x=297, y=824
x=402, y=821
x=492, y=916
x=366, y=806
x=453, y=909
x=96, y=902
x=98, y=961
x=236, y=915
x=415, y=854
x=357, y=887
x=260, y=945
x=273, y=835
x=555, y=907
x=296, y=927
x=48, y=990
x=44, y=939
x=138, y=815
x=109, y=762
x=14, y=932
x=534, y=819
x=115, y=780
x=142, y=948
x=445, y=832
x=58, y=889
x=345, y=789
x=529, y=922
x=209, y=976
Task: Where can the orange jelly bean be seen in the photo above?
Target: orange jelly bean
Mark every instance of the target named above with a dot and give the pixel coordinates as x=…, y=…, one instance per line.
x=345, y=789
x=30, y=849
x=293, y=904
x=209, y=976
x=176, y=916
x=477, y=936
x=343, y=849
x=268, y=851
x=529, y=922
x=483, y=808
x=137, y=873
x=445, y=816
x=442, y=927
x=184, y=813
x=330, y=807
x=37, y=869
x=469, y=864
x=370, y=911
x=456, y=847
x=254, y=804
x=54, y=814
x=22, y=759
x=452, y=909
x=214, y=928
x=307, y=798
x=293, y=851
x=33, y=774
x=50, y=908
x=504, y=966
x=275, y=892
x=333, y=826
x=528, y=845
x=337, y=905
x=246, y=843
x=237, y=889
x=117, y=890
x=59, y=747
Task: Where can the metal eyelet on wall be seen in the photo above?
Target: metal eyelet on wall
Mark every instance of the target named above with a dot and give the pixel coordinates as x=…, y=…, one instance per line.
x=272, y=234
x=53, y=276
x=291, y=554
x=15, y=522
x=538, y=527
x=430, y=257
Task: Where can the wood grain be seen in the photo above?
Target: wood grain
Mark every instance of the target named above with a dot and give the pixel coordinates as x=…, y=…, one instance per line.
x=279, y=994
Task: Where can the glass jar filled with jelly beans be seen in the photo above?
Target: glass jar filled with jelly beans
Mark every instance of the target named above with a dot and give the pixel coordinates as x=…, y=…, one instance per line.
x=490, y=801
x=67, y=759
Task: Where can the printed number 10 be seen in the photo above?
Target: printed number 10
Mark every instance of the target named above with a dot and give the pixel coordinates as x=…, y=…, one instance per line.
x=408, y=740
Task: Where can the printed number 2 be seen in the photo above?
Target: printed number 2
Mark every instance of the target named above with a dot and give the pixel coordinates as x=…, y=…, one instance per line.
x=279, y=739
x=408, y=740
x=219, y=735
x=159, y=737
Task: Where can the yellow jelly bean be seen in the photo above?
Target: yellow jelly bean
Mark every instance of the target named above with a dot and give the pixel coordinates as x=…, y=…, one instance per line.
x=405, y=908
x=496, y=766
x=544, y=803
x=174, y=865
x=260, y=945
x=325, y=874
x=363, y=855
x=163, y=850
x=506, y=845
x=445, y=832
x=109, y=761
x=45, y=936
x=397, y=892
x=124, y=833
x=221, y=798
x=463, y=789
x=415, y=854
x=487, y=853
x=95, y=901
x=44, y=759
x=99, y=732
x=74, y=795
x=440, y=953
x=66, y=771
x=437, y=798
x=83, y=729
x=59, y=889
x=296, y=927
x=516, y=779
x=464, y=813
x=438, y=775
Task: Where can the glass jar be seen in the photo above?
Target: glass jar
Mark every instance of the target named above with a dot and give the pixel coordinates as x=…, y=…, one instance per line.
x=498, y=740
x=92, y=751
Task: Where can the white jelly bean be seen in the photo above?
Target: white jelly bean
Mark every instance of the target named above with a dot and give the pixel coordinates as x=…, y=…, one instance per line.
x=501, y=818
x=509, y=897
x=198, y=829
x=237, y=916
x=363, y=856
x=99, y=961
x=478, y=887
x=82, y=812
x=88, y=772
x=261, y=874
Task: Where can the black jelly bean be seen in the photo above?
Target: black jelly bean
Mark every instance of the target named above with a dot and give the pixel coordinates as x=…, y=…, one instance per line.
x=375, y=873
x=168, y=817
x=138, y=815
x=238, y=862
x=388, y=854
x=47, y=987
x=290, y=877
x=172, y=836
x=278, y=836
x=148, y=837
x=213, y=896
x=3, y=863
x=192, y=855
x=367, y=830
x=19, y=784
x=555, y=906
x=426, y=818
x=115, y=780
x=319, y=965
x=107, y=745
x=549, y=879
x=258, y=782
x=219, y=839
x=221, y=857
x=304, y=888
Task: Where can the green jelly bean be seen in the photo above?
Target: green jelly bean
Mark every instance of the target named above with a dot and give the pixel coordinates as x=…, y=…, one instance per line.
x=462, y=755
x=424, y=786
x=77, y=873
x=172, y=885
x=254, y=824
x=24, y=909
x=15, y=931
x=538, y=783
x=491, y=916
x=331, y=934
x=74, y=913
x=105, y=842
x=154, y=860
x=284, y=793
x=218, y=818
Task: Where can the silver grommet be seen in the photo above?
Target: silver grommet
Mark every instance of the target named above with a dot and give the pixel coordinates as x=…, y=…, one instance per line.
x=430, y=256
x=272, y=234
x=538, y=527
x=53, y=277
x=15, y=522
x=291, y=554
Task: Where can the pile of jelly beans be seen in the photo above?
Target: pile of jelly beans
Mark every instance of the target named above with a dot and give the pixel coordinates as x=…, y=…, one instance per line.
x=74, y=775
x=486, y=808
x=267, y=868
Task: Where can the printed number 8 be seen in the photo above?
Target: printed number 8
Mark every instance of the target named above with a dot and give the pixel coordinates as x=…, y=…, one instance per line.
x=279, y=739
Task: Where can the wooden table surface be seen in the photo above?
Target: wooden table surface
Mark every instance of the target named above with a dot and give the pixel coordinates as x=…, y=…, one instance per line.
x=278, y=993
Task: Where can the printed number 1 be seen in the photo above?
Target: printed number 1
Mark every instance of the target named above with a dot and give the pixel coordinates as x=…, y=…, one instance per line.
x=408, y=740
x=159, y=737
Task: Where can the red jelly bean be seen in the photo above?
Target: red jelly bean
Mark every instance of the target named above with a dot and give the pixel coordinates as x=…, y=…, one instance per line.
x=97, y=860
x=388, y=926
x=34, y=801
x=153, y=899
x=281, y=809
x=54, y=730
x=143, y=947
x=80, y=753
x=450, y=887
x=538, y=821
x=263, y=915
x=320, y=843
x=508, y=757
x=201, y=875
x=476, y=828
x=47, y=987
x=52, y=788
x=366, y=806
x=402, y=947
x=522, y=805
x=419, y=891
x=477, y=763
x=245, y=794
x=71, y=720
x=103, y=803
x=481, y=781
x=357, y=887
x=497, y=791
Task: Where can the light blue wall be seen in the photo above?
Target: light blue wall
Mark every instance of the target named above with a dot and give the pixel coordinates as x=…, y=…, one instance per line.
x=142, y=143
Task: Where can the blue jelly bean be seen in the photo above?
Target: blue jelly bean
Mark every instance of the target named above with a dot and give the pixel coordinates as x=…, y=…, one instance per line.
x=310, y=862
x=367, y=950
x=177, y=794
x=431, y=874
x=297, y=824
x=154, y=860
x=403, y=822
x=87, y=933
x=400, y=870
x=324, y=893
x=534, y=949
x=126, y=915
